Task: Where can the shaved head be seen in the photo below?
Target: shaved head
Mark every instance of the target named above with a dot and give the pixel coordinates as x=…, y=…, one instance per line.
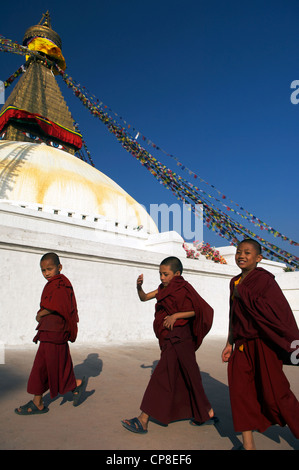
x=254, y=243
x=174, y=264
x=52, y=256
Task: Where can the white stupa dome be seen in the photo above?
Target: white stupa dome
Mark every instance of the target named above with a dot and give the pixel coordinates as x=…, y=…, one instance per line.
x=39, y=174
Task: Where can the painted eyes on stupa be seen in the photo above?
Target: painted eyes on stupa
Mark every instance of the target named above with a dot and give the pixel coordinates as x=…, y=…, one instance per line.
x=56, y=145
x=36, y=138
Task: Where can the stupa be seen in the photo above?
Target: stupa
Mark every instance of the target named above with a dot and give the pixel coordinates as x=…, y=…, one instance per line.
x=39, y=140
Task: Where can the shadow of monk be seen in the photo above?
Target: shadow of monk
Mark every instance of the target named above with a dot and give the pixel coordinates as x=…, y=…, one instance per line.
x=92, y=366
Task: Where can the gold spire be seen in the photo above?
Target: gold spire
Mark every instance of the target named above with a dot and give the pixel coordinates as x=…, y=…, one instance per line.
x=42, y=31
x=47, y=21
x=37, y=95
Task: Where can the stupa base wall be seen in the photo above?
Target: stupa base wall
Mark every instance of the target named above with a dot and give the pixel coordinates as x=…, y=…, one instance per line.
x=104, y=277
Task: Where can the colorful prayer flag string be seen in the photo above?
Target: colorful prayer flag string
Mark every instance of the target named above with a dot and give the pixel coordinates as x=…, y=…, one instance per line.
x=15, y=75
x=215, y=219
x=241, y=211
x=245, y=215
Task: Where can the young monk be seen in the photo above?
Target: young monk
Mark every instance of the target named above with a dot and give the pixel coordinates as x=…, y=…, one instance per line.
x=57, y=324
x=182, y=319
x=262, y=329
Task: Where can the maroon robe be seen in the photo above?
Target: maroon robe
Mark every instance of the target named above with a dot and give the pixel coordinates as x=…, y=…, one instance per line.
x=53, y=368
x=263, y=328
x=180, y=296
x=58, y=296
x=175, y=390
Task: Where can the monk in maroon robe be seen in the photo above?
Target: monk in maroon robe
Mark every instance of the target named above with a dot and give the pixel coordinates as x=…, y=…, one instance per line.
x=57, y=324
x=263, y=331
x=182, y=320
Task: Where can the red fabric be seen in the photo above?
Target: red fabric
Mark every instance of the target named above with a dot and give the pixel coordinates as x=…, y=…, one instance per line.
x=58, y=295
x=263, y=311
x=263, y=328
x=52, y=370
x=175, y=390
x=48, y=127
x=180, y=296
x=259, y=390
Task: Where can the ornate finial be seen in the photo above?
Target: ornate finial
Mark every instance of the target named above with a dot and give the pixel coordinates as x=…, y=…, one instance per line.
x=43, y=30
x=47, y=21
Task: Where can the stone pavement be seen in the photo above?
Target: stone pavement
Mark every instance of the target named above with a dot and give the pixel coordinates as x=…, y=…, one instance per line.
x=117, y=377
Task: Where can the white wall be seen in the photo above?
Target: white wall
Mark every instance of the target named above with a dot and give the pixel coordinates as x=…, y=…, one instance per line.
x=103, y=275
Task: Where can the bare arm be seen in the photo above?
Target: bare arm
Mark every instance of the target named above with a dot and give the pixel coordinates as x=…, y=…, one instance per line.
x=143, y=296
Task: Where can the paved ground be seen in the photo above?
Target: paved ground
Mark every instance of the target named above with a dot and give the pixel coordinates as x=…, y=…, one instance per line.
x=117, y=377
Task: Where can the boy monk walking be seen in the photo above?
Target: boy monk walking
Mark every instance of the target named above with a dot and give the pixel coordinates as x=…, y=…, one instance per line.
x=57, y=324
x=262, y=329
x=182, y=319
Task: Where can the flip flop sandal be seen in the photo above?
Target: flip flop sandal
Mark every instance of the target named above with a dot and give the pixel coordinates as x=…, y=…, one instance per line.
x=209, y=422
x=77, y=392
x=134, y=426
x=24, y=409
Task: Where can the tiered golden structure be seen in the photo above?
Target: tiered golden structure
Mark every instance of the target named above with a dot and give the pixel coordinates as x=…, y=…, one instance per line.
x=38, y=93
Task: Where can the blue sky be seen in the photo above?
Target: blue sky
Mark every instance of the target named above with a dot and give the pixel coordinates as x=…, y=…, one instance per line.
x=207, y=81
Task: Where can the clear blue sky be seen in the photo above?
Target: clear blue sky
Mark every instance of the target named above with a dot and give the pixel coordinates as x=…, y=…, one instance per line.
x=208, y=81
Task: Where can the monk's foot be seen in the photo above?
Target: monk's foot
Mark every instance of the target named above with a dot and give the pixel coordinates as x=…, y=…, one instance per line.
x=79, y=384
x=135, y=425
x=144, y=422
x=212, y=420
x=28, y=409
x=31, y=408
x=77, y=392
x=133, y=422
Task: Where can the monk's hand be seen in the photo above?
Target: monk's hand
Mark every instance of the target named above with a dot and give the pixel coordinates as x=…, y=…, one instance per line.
x=139, y=281
x=169, y=321
x=226, y=353
x=41, y=313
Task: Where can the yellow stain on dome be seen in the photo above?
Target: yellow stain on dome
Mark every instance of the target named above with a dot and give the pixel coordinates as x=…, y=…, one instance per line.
x=39, y=174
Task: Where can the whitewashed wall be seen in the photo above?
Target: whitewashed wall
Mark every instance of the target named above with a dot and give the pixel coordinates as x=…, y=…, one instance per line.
x=103, y=275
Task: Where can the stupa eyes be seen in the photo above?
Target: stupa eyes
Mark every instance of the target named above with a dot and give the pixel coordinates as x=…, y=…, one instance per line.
x=36, y=138
x=56, y=145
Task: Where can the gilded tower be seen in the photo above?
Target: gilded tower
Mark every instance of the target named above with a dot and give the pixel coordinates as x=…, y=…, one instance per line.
x=36, y=110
